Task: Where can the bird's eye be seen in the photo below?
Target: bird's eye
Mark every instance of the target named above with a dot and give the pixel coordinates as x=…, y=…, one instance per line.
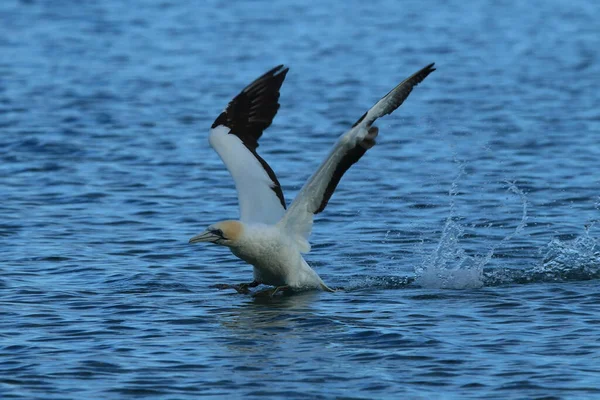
x=218, y=232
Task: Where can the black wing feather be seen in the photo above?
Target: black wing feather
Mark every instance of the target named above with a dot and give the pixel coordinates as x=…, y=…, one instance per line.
x=252, y=111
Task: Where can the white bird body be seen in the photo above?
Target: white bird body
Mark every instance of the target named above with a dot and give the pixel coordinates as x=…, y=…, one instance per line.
x=267, y=236
x=276, y=258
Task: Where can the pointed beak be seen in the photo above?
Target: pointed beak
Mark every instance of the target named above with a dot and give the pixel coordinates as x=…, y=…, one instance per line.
x=205, y=236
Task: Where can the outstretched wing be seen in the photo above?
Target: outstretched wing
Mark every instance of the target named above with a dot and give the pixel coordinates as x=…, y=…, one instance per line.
x=350, y=147
x=234, y=136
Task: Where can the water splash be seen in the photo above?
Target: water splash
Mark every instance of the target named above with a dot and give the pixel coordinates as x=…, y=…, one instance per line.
x=562, y=261
x=577, y=259
x=449, y=266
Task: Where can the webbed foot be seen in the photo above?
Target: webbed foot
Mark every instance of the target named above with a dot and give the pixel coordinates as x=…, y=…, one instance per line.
x=271, y=292
x=242, y=288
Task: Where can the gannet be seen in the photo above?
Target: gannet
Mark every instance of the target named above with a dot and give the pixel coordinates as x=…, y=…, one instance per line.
x=267, y=236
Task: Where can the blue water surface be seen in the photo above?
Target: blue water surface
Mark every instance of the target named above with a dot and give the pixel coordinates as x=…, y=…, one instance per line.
x=467, y=240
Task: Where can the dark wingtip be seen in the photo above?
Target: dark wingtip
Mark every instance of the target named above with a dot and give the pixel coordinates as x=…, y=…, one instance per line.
x=423, y=73
x=428, y=69
x=281, y=69
x=253, y=109
x=419, y=76
x=397, y=95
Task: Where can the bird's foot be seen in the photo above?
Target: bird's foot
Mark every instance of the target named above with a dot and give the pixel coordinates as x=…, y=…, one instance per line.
x=242, y=288
x=281, y=289
x=272, y=291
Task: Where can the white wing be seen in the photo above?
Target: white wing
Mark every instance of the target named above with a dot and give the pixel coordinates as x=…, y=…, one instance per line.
x=349, y=148
x=234, y=136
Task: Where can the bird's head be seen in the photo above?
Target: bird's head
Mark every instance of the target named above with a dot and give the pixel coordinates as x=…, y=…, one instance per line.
x=225, y=233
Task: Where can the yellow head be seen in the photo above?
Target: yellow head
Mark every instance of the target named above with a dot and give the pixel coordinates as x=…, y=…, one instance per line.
x=225, y=233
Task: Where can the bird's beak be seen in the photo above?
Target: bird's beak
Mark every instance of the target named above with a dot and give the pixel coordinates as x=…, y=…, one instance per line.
x=205, y=236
